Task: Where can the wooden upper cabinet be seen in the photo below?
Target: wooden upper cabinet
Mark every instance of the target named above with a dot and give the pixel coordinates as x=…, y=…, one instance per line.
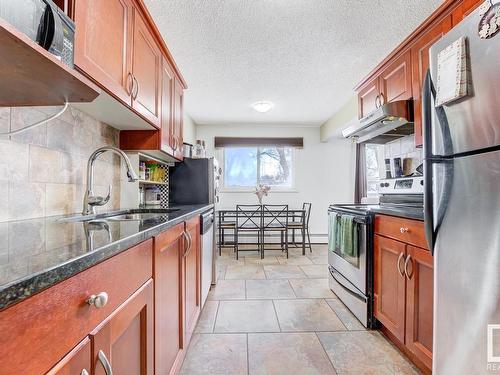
x=368, y=95
x=464, y=9
x=395, y=80
x=103, y=43
x=419, y=303
x=124, y=341
x=167, y=116
x=178, y=119
x=191, y=275
x=169, y=331
x=389, y=293
x=420, y=65
x=146, y=68
x=76, y=362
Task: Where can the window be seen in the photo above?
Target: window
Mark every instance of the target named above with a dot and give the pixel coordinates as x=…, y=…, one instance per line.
x=373, y=159
x=246, y=167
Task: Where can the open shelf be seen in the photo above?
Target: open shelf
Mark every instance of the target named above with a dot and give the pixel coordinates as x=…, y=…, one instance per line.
x=32, y=76
x=147, y=182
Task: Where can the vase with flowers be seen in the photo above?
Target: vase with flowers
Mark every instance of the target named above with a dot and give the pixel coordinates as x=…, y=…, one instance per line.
x=261, y=191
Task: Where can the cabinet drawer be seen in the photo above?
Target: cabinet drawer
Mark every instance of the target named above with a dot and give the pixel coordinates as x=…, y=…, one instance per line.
x=404, y=230
x=49, y=324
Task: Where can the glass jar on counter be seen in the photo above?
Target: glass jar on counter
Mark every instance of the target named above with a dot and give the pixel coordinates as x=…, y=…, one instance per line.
x=199, y=149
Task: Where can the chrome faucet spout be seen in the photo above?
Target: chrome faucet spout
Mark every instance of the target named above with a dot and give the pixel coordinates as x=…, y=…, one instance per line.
x=90, y=200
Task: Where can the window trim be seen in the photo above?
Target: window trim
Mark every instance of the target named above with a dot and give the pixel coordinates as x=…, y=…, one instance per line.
x=251, y=189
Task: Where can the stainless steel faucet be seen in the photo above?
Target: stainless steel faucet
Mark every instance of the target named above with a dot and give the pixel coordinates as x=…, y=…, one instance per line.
x=90, y=200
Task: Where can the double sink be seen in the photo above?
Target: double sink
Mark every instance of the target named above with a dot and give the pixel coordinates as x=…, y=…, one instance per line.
x=139, y=214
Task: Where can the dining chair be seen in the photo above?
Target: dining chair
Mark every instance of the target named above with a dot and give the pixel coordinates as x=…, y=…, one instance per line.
x=303, y=226
x=248, y=220
x=275, y=219
x=224, y=225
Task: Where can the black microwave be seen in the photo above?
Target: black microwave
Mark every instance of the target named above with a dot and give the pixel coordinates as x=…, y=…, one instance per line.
x=43, y=22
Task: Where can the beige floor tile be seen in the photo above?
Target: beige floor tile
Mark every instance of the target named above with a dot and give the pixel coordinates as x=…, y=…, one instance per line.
x=227, y=290
x=216, y=355
x=295, y=260
x=306, y=315
x=246, y=316
x=349, y=320
x=269, y=289
x=255, y=260
x=287, y=353
x=364, y=353
x=312, y=288
x=284, y=272
x=221, y=271
x=230, y=260
x=319, y=259
x=251, y=272
x=206, y=321
x=316, y=271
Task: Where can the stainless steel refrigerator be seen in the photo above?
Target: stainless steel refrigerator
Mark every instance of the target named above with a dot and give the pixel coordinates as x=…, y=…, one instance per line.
x=462, y=208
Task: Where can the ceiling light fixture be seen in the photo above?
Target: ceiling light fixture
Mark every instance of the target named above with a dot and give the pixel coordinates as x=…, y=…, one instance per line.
x=263, y=106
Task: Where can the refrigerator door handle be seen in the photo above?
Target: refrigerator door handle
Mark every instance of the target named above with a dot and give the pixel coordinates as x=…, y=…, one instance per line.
x=428, y=194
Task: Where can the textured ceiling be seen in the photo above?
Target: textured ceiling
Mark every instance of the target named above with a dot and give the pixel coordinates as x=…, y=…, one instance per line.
x=305, y=56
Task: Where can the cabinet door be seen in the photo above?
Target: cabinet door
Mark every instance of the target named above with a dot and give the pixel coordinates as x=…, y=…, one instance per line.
x=419, y=303
x=192, y=277
x=390, y=285
x=103, y=42
x=419, y=66
x=367, y=97
x=395, y=80
x=146, y=68
x=76, y=362
x=464, y=9
x=124, y=341
x=168, y=290
x=178, y=112
x=167, y=96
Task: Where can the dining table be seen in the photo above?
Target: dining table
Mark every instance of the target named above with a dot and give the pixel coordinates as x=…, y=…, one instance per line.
x=296, y=215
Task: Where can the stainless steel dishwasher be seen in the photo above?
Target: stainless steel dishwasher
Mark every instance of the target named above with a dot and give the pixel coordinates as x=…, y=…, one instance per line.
x=207, y=253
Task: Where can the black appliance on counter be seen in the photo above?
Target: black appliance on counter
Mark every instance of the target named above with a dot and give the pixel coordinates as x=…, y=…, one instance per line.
x=43, y=22
x=351, y=277
x=194, y=181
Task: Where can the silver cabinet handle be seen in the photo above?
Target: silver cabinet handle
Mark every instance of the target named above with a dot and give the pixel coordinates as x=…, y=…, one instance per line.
x=399, y=264
x=98, y=301
x=407, y=261
x=130, y=83
x=84, y=372
x=136, y=88
x=377, y=99
x=105, y=363
x=404, y=230
x=190, y=246
x=382, y=99
x=186, y=243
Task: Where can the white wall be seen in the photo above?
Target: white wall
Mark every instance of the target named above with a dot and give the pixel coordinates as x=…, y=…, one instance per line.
x=324, y=172
x=188, y=129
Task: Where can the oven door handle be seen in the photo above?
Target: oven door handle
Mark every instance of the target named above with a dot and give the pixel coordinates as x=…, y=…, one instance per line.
x=346, y=287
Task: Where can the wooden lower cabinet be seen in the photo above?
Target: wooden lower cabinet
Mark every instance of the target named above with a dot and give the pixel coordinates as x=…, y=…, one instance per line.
x=404, y=290
x=169, y=329
x=419, y=303
x=389, y=296
x=78, y=361
x=191, y=275
x=124, y=341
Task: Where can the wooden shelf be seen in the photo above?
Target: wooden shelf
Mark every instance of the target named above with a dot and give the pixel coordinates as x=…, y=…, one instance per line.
x=146, y=182
x=32, y=76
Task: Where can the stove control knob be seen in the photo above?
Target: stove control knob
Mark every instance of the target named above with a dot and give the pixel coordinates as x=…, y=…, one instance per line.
x=386, y=184
x=422, y=182
x=381, y=184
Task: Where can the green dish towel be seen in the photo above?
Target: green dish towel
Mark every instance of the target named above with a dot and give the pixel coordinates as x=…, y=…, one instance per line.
x=334, y=232
x=348, y=236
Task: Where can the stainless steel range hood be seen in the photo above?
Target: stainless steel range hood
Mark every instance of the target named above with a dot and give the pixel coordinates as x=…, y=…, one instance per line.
x=387, y=123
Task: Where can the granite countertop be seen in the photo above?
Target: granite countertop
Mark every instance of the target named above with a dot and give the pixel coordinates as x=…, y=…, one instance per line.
x=406, y=212
x=38, y=253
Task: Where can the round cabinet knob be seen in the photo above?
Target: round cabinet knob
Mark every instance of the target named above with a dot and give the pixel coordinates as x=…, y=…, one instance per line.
x=100, y=300
x=403, y=230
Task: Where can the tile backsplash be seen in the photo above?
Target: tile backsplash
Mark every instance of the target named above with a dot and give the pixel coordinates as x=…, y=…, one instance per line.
x=43, y=171
x=403, y=148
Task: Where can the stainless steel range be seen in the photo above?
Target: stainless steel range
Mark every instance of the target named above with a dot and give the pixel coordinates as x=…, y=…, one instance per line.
x=351, y=277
